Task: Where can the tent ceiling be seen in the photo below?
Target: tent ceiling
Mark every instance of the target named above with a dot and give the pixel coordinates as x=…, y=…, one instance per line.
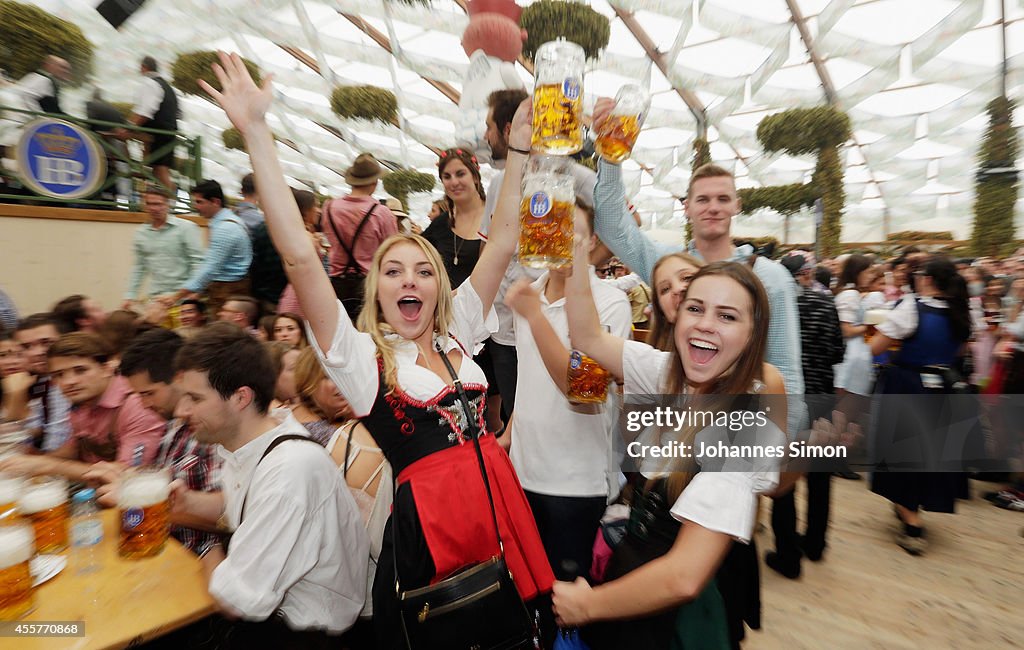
x=914, y=76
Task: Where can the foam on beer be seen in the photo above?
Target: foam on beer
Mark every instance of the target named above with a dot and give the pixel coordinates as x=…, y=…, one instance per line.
x=144, y=490
x=37, y=498
x=17, y=545
x=10, y=490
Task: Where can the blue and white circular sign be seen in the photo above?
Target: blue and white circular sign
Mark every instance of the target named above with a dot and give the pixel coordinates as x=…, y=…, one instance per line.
x=131, y=518
x=540, y=205
x=571, y=88
x=60, y=160
x=575, y=360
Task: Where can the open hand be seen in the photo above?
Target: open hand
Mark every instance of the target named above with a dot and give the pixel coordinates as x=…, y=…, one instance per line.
x=244, y=102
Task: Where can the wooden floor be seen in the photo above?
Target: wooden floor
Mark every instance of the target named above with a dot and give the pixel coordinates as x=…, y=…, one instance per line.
x=966, y=592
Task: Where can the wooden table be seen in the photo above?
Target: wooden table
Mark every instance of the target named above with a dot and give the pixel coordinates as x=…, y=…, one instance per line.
x=125, y=601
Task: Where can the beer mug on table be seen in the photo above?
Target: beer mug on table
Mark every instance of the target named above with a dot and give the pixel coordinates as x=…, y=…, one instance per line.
x=546, y=213
x=558, y=98
x=620, y=130
x=145, y=512
x=44, y=503
x=588, y=381
x=11, y=488
x=14, y=437
x=17, y=546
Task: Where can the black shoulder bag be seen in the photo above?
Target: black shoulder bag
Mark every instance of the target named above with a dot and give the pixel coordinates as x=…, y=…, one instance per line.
x=479, y=607
x=348, y=285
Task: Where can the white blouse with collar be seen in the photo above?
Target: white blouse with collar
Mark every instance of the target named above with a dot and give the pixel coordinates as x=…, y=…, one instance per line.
x=351, y=360
x=723, y=496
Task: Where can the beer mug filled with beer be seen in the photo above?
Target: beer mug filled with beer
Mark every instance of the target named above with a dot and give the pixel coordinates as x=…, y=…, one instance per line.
x=546, y=213
x=618, y=134
x=588, y=381
x=10, y=491
x=145, y=512
x=44, y=502
x=17, y=546
x=558, y=98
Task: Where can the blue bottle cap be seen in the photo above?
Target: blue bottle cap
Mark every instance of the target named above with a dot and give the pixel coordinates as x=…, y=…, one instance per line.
x=86, y=494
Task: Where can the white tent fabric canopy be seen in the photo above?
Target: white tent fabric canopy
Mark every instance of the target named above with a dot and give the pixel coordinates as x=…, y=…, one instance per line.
x=914, y=76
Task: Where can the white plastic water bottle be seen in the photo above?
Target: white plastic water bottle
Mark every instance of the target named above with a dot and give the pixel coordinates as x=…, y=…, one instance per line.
x=86, y=530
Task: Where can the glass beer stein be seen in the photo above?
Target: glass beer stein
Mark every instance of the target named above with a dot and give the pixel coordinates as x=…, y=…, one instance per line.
x=558, y=98
x=44, y=503
x=588, y=381
x=546, y=213
x=10, y=491
x=17, y=546
x=619, y=132
x=145, y=512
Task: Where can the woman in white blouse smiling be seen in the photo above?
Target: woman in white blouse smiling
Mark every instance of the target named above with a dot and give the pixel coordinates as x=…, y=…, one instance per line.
x=393, y=375
x=720, y=337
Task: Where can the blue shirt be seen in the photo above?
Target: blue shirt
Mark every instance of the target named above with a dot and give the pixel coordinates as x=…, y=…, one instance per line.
x=615, y=227
x=229, y=254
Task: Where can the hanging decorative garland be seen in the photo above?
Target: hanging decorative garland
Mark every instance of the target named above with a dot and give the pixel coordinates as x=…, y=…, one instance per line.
x=400, y=184
x=232, y=139
x=29, y=34
x=918, y=235
x=365, y=103
x=821, y=130
x=996, y=184
x=548, y=20
x=188, y=68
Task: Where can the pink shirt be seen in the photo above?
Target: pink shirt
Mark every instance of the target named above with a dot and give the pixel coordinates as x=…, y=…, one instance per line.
x=345, y=215
x=112, y=428
x=289, y=302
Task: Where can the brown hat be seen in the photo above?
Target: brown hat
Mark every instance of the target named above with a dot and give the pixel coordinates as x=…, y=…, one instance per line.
x=396, y=208
x=364, y=171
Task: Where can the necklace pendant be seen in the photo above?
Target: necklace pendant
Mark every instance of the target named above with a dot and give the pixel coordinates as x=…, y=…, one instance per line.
x=456, y=260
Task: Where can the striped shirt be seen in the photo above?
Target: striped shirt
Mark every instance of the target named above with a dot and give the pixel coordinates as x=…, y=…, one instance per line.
x=199, y=467
x=229, y=255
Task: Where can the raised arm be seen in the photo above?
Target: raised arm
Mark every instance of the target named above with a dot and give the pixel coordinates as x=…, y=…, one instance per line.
x=524, y=299
x=503, y=235
x=613, y=223
x=246, y=105
x=585, y=329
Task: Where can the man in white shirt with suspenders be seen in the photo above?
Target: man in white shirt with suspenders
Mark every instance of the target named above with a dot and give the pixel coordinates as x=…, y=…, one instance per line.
x=295, y=568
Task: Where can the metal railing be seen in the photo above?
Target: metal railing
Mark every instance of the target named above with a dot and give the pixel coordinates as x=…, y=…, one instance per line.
x=121, y=164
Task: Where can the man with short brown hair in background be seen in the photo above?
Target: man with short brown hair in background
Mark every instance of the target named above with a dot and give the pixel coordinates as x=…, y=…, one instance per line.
x=225, y=268
x=240, y=310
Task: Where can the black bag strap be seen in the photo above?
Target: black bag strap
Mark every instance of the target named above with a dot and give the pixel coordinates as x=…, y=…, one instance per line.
x=348, y=444
x=474, y=432
x=271, y=447
x=351, y=266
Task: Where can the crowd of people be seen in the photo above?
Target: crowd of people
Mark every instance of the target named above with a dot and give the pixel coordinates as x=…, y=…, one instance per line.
x=338, y=394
